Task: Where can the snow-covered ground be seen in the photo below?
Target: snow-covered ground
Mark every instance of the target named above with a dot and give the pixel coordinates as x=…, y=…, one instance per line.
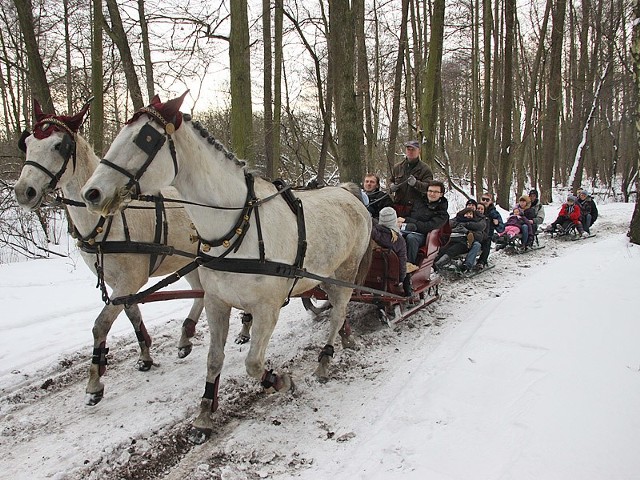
x=530, y=370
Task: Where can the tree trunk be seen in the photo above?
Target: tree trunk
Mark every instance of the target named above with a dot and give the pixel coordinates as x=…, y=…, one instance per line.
x=634, y=227
x=146, y=50
x=363, y=88
x=97, y=82
x=505, y=171
x=240, y=66
x=277, y=84
x=119, y=38
x=397, y=89
x=486, y=100
x=553, y=103
x=348, y=121
x=267, y=89
x=37, y=77
x=430, y=83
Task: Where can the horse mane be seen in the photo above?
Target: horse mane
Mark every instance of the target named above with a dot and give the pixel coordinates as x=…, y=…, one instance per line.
x=213, y=141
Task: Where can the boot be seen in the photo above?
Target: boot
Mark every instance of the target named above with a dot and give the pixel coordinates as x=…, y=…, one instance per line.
x=406, y=286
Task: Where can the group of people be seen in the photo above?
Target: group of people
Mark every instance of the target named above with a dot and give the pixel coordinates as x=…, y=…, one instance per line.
x=415, y=205
x=579, y=211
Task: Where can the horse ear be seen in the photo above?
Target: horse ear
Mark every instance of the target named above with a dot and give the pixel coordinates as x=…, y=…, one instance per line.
x=37, y=110
x=76, y=121
x=171, y=108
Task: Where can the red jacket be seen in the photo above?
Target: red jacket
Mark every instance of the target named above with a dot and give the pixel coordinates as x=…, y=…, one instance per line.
x=573, y=213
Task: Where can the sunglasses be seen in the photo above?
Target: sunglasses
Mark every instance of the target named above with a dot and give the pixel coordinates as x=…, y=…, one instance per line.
x=485, y=199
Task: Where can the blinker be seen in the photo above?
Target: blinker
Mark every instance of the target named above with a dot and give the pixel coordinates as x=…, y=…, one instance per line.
x=149, y=140
x=66, y=147
x=22, y=144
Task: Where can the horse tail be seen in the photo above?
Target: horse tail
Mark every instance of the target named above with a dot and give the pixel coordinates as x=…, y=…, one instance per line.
x=365, y=264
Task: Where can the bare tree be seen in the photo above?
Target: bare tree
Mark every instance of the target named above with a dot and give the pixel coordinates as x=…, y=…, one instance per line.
x=119, y=38
x=634, y=227
x=553, y=102
x=36, y=77
x=96, y=133
x=431, y=83
x=348, y=118
x=240, y=72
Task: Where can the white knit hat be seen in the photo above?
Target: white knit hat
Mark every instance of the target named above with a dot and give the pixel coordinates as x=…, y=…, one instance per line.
x=388, y=218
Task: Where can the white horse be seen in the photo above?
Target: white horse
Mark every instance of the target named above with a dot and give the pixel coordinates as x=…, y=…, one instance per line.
x=233, y=210
x=57, y=157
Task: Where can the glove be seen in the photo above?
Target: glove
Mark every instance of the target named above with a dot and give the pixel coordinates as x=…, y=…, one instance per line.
x=411, y=180
x=393, y=187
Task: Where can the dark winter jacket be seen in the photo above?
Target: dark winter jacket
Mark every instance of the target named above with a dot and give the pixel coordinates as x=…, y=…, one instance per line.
x=384, y=237
x=492, y=214
x=482, y=235
x=461, y=226
x=377, y=201
x=406, y=194
x=426, y=216
x=588, y=206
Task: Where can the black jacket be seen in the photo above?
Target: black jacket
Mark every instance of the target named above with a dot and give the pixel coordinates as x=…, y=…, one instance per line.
x=377, y=201
x=426, y=216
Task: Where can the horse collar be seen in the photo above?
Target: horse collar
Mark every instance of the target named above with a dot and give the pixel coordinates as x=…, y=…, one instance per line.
x=241, y=226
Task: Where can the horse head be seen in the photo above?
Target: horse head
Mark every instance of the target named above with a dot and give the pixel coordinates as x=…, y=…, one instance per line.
x=124, y=172
x=48, y=151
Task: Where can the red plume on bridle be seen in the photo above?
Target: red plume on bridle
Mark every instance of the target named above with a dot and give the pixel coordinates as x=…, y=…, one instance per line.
x=47, y=123
x=168, y=111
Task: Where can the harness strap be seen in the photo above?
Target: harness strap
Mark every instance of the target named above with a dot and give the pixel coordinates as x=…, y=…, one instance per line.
x=134, y=247
x=129, y=300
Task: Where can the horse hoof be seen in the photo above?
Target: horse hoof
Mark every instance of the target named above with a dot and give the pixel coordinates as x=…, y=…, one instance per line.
x=348, y=342
x=184, y=351
x=92, y=399
x=285, y=384
x=144, y=365
x=198, y=436
x=321, y=374
x=242, y=339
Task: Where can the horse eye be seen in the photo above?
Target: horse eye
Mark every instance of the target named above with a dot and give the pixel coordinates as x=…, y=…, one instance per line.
x=57, y=146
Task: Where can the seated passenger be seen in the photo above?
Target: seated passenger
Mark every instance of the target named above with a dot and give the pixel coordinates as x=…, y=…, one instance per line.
x=478, y=239
x=537, y=208
x=588, y=210
x=514, y=226
x=527, y=228
x=569, y=214
x=463, y=228
x=496, y=224
x=377, y=198
x=426, y=214
x=387, y=234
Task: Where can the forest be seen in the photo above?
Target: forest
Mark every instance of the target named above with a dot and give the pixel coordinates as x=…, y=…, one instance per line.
x=504, y=95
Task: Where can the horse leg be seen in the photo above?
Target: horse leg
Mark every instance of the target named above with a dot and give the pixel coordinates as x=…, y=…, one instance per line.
x=245, y=333
x=101, y=327
x=345, y=335
x=218, y=319
x=189, y=325
x=339, y=297
x=144, y=340
x=267, y=317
